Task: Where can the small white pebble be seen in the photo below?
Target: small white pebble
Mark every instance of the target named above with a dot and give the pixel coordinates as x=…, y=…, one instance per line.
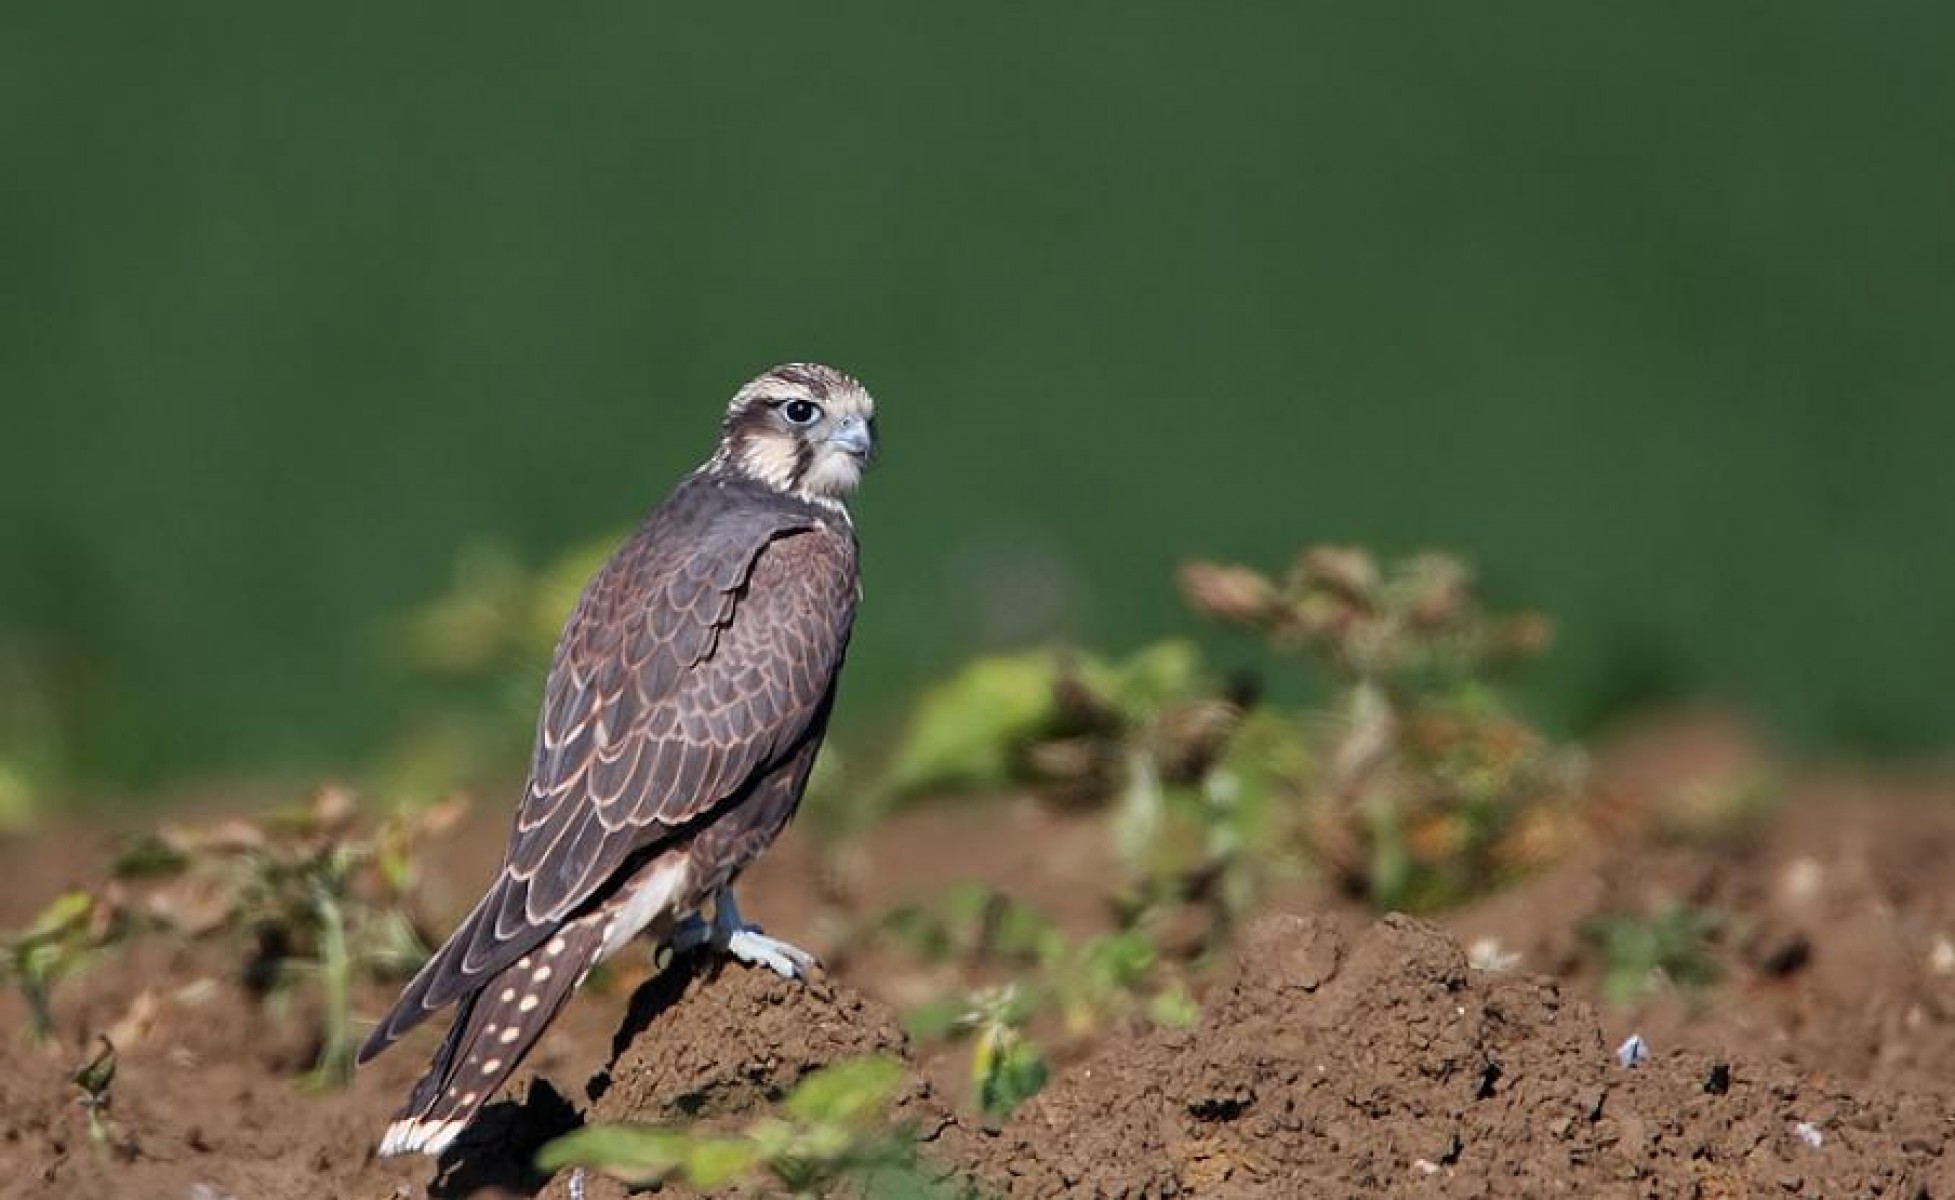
x=1802, y=880
x=1487, y=954
x=1941, y=956
x=1633, y=1052
x=1809, y=1134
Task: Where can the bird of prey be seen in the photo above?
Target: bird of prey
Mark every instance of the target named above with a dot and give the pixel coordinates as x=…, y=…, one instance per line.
x=684, y=707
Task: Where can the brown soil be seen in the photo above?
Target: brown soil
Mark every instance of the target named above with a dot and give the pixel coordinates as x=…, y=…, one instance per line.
x=717, y=1044
x=1385, y=1066
x=1341, y=1055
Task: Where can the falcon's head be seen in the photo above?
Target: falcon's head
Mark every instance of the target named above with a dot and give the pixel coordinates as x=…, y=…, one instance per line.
x=801, y=428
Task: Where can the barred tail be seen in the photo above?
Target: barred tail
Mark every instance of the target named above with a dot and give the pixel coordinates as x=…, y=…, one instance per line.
x=494, y=1030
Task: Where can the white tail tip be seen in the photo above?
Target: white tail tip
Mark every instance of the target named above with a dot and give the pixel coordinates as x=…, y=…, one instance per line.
x=416, y=1135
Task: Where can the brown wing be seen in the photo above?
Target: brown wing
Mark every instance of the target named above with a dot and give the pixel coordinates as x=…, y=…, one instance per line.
x=623, y=751
x=701, y=654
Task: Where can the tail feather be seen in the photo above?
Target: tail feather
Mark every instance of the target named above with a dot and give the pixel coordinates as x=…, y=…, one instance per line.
x=455, y=969
x=494, y=1030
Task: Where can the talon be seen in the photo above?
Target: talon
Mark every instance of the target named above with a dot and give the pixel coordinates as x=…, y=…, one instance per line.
x=729, y=934
x=754, y=948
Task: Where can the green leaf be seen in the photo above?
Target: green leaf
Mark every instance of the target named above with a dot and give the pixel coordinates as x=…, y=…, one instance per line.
x=1119, y=961
x=1173, y=1008
x=1008, y=1069
x=637, y=1154
x=62, y=916
x=846, y=1093
x=715, y=1163
x=1155, y=676
x=964, y=731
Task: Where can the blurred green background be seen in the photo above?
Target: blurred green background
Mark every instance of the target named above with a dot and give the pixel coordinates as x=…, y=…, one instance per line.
x=1646, y=309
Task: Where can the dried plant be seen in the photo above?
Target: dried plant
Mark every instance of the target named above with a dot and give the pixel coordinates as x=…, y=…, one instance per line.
x=314, y=894
x=1432, y=790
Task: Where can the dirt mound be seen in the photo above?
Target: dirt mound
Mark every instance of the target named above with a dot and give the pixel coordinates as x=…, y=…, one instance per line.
x=706, y=1040
x=1388, y=1066
x=716, y=1044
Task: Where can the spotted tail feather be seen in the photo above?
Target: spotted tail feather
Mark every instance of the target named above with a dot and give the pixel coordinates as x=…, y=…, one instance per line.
x=494, y=1030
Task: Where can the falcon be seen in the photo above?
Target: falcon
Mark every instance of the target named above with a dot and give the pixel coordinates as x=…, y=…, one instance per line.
x=686, y=701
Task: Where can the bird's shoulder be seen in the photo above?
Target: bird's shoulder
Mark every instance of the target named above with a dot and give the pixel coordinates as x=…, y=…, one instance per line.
x=703, y=536
x=726, y=513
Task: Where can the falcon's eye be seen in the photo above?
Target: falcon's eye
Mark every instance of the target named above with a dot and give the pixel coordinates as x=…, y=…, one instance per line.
x=801, y=412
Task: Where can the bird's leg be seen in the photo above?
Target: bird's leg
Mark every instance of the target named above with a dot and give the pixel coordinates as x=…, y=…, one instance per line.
x=730, y=934
x=692, y=933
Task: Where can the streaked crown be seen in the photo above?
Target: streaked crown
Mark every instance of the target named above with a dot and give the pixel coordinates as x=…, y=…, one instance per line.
x=800, y=428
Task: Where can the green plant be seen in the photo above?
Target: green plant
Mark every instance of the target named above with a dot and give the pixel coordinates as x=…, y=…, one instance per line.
x=1191, y=777
x=972, y=729
x=1007, y=1066
x=832, y=1129
x=1432, y=791
x=1641, y=952
x=975, y=922
x=1208, y=839
x=317, y=897
x=62, y=939
x=1056, y=721
x=1081, y=987
x=95, y=1079
x=1086, y=983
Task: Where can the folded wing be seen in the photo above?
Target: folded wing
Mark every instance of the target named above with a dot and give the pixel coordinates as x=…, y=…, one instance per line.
x=700, y=655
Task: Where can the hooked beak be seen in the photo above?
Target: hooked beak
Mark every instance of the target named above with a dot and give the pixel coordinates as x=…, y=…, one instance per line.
x=852, y=435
